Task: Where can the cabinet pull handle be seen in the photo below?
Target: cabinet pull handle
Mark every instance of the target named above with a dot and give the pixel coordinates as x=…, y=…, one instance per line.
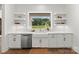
x=14, y=39
x=40, y=41
x=64, y=39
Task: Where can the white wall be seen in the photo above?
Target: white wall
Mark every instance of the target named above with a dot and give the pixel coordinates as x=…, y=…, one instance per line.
x=25, y=8
x=73, y=22
x=7, y=24
x=0, y=13
x=40, y=7
x=1, y=10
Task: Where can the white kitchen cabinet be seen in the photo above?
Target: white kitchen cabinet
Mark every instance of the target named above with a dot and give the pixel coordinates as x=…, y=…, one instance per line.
x=52, y=41
x=60, y=40
x=68, y=40
x=39, y=40
x=40, y=35
x=55, y=40
x=14, y=41
x=35, y=42
x=64, y=40
x=10, y=41
x=44, y=42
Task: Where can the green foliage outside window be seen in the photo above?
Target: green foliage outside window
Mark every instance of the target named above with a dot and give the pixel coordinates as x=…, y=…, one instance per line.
x=40, y=23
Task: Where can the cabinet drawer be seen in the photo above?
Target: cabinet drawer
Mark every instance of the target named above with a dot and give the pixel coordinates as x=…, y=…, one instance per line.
x=40, y=35
x=34, y=38
x=17, y=36
x=70, y=36
x=51, y=35
x=59, y=36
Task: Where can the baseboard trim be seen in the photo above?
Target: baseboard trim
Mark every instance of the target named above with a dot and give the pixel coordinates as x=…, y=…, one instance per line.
x=76, y=49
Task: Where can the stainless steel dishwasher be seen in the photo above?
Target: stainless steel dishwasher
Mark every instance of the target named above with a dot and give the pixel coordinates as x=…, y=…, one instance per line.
x=26, y=41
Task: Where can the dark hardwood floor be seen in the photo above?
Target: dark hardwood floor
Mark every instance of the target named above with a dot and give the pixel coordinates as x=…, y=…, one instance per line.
x=41, y=51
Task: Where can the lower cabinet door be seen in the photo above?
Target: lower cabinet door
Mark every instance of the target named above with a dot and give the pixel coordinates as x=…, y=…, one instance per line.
x=35, y=42
x=10, y=41
x=60, y=40
x=44, y=42
x=17, y=42
x=52, y=43
x=68, y=40
x=14, y=41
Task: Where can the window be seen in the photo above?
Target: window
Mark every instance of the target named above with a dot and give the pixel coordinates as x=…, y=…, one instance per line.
x=40, y=22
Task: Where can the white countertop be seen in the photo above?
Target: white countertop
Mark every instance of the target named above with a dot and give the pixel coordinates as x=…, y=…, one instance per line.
x=57, y=29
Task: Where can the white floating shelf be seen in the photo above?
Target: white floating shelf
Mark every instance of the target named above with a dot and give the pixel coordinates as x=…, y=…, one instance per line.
x=60, y=19
x=60, y=13
x=19, y=18
x=19, y=13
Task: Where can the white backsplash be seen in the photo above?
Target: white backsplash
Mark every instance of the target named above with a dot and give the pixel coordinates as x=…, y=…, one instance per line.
x=19, y=28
